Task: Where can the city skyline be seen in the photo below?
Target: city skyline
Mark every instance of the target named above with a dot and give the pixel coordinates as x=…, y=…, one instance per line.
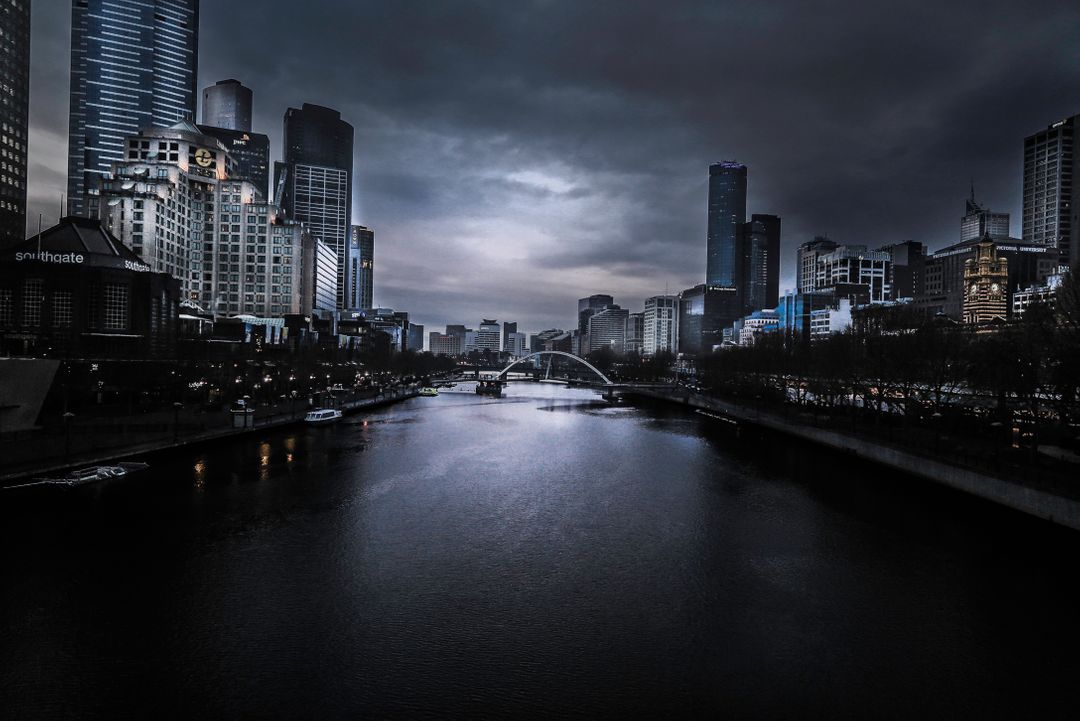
x=480, y=186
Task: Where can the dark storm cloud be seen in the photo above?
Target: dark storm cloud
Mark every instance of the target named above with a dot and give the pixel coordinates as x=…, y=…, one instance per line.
x=515, y=156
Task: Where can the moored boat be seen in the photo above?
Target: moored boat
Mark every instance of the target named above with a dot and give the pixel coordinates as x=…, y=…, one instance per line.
x=429, y=391
x=322, y=416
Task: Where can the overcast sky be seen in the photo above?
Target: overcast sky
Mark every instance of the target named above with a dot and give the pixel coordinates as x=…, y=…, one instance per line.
x=515, y=156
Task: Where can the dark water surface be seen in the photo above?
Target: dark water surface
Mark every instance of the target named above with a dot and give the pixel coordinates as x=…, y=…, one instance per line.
x=542, y=554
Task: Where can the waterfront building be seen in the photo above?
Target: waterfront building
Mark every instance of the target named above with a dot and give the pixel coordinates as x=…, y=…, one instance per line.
x=1051, y=191
x=586, y=308
x=78, y=292
x=314, y=181
x=986, y=279
x=727, y=214
x=173, y=200
x=704, y=313
x=444, y=344
x=227, y=105
x=607, y=329
x=944, y=287
x=318, y=285
x=979, y=221
x=855, y=265
x=416, y=338
x=660, y=326
x=393, y=323
x=634, y=343
x=807, y=262
x=133, y=66
x=361, y=271
x=795, y=312
x=14, y=118
x=759, y=281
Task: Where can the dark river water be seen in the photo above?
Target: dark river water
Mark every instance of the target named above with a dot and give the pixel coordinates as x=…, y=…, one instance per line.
x=544, y=554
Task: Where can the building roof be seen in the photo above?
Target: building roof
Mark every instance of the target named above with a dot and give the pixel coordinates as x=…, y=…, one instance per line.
x=75, y=241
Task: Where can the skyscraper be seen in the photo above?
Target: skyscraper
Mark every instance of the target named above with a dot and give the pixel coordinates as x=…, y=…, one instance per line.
x=508, y=328
x=133, y=65
x=760, y=278
x=727, y=213
x=360, y=273
x=314, y=181
x=661, y=331
x=1051, y=191
x=806, y=262
x=979, y=220
x=587, y=307
x=14, y=108
x=227, y=104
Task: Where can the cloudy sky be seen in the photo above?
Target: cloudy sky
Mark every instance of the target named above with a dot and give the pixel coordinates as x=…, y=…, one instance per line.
x=514, y=156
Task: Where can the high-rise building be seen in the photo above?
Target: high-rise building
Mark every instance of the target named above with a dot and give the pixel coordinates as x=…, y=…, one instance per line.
x=759, y=281
x=487, y=337
x=415, y=338
x=1052, y=190
x=727, y=214
x=986, y=277
x=361, y=270
x=704, y=313
x=978, y=221
x=318, y=281
x=443, y=344
x=14, y=118
x=907, y=269
x=133, y=66
x=855, y=265
x=634, y=340
x=250, y=152
x=806, y=262
x=661, y=325
x=173, y=202
x=314, y=181
x=586, y=308
x=607, y=329
x=227, y=105
x=515, y=345
x=508, y=328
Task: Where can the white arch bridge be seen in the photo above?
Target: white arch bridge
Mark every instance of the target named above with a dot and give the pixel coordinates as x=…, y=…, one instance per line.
x=502, y=374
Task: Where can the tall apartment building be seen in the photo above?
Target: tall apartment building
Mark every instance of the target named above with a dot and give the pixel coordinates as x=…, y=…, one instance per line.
x=314, y=181
x=133, y=65
x=661, y=325
x=361, y=267
x=1051, y=191
x=586, y=308
x=173, y=201
x=14, y=118
x=727, y=214
x=634, y=337
x=607, y=329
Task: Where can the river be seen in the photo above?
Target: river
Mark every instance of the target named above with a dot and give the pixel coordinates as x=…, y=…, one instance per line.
x=545, y=553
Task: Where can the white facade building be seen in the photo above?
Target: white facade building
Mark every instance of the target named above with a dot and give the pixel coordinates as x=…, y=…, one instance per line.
x=661, y=331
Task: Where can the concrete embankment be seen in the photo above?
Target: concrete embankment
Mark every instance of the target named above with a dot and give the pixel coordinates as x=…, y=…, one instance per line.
x=1046, y=505
x=55, y=465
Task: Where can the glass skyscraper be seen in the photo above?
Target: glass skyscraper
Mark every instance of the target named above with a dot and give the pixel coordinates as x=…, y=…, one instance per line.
x=727, y=213
x=314, y=182
x=1051, y=191
x=133, y=65
x=14, y=108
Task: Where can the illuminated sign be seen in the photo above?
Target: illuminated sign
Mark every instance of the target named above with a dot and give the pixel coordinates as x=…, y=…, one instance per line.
x=46, y=257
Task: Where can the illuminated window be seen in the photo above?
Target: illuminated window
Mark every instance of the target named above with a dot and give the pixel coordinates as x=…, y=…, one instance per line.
x=32, y=291
x=115, y=307
x=62, y=309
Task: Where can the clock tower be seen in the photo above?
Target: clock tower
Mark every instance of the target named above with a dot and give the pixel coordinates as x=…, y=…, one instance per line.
x=986, y=279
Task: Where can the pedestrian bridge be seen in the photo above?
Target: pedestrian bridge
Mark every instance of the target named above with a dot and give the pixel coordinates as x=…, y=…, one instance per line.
x=551, y=353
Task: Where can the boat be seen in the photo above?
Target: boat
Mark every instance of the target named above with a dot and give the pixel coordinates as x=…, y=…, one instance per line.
x=429, y=391
x=93, y=474
x=322, y=416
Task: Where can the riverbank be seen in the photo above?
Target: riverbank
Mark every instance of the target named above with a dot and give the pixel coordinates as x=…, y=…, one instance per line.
x=175, y=435
x=1055, y=507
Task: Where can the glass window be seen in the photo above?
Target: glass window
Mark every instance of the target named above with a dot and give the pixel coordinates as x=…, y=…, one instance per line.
x=61, y=307
x=32, y=290
x=115, y=305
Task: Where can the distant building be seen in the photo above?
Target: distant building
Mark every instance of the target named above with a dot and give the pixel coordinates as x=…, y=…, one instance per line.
x=807, y=262
x=515, y=345
x=607, y=329
x=250, y=152
x=318, y=286
x=361, y=270
x=1051, y=190
x=634, y=342
x=795, y=314
x=78, y=292
x=227, y=105
x=416, y=338
x=759, y=282
x=704, y=313
x=1044, y=294
x=660, y=331
x=507, y=328
x=727, y=214
x=487, y=337
x=986, y=279
x=14, y=118
x=855, y=265
x=314, y=181
x=978, y=221
x=746, y=331
x=132, y=66
x=907, y=269
x=443, y=344
x=586, y=308
x=828, y=321
x=544, y=340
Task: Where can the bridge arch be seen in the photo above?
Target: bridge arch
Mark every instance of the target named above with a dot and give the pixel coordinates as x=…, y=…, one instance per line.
x=579, y=359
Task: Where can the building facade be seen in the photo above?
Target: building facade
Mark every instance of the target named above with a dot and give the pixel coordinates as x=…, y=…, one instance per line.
x=727, y=214
x=704, y=313
x=318, y=284
x=443, y=344
x=250, y=153
x=586, y=308
x=361, y=271
x=660, y=331
x=227, y=105
x=314, y=180
x=14, y=118
x=634, y=342
x=607, y=329
x=855, y=265
x=806, y=261
x=1051, y=189
x=759, y=281
x=986, y=277
x=978, y=221
x=133, y=66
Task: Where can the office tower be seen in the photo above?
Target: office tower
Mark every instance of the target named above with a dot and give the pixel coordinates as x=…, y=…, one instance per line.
x=174, y=203
x=586, y=308
x=607, y=329
x=361, y=267
x=227, y=105
x=661, y=325
x=978, y=221
x=415, y=338
x=806, y=258
x=314, y=181
x=854, y=265
x=508, y=328
x=318, y=279
x=133, y=66
x=759, y=282
x=487, y=337
x=515, y=345
x=444, y=344
x=551, y=339
x=1051, y=190
x=727, y=213
x=14, y=118
x=986, y=277
x=704, y=312
x=634, y=340
x=907, y=269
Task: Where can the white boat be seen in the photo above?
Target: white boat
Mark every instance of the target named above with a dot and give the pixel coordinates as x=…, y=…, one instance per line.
x=322, y=416
x=94, y=474
x=429, y=391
